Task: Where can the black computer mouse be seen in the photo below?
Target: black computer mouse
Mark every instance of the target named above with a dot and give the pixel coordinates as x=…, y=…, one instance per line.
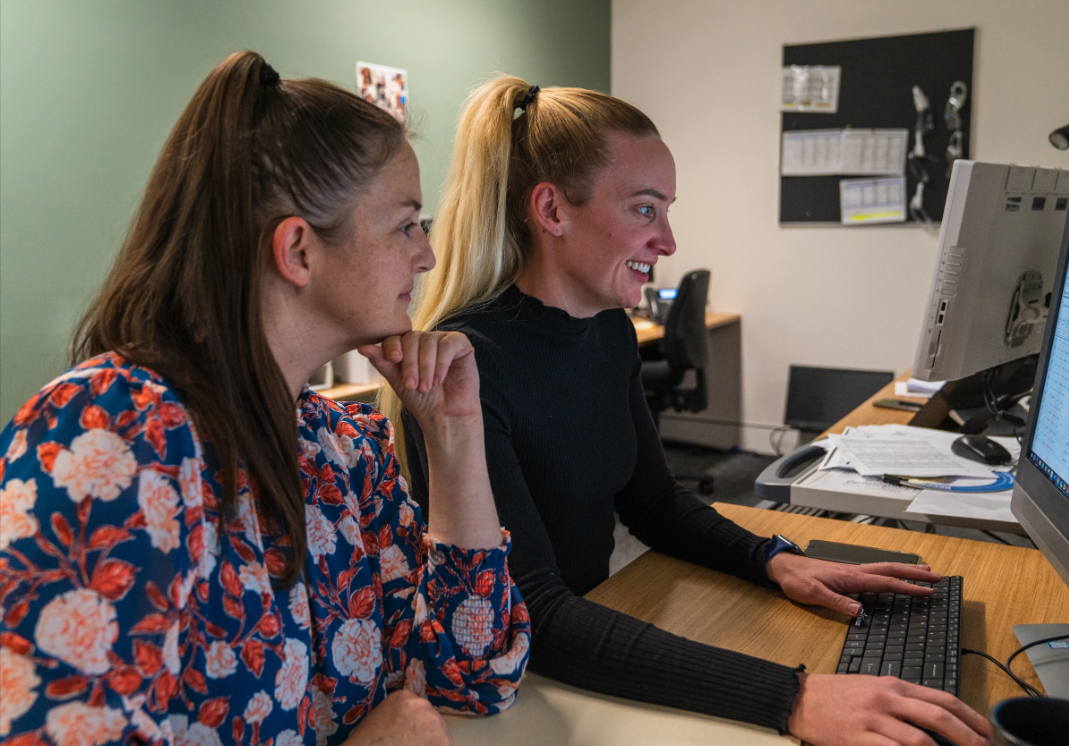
x=981, y=448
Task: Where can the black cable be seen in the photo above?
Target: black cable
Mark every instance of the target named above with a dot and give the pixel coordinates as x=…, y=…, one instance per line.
x=996, y=538
x=1018, y=651
x=1030, y=690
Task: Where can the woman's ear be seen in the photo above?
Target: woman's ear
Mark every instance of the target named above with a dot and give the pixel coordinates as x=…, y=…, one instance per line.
x=550, y=209
x=291, y=243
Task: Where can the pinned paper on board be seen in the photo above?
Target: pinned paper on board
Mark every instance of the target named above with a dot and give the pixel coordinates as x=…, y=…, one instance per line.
x=868, y=152
x=386, y=87
x=810, y=88
x=865, y=201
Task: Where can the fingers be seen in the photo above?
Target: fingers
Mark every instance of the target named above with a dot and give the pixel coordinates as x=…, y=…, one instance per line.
x=837, y=602
x=901, y=570
x=451, y=347
x=936, y=718
x=379, y=360
x=961, y=712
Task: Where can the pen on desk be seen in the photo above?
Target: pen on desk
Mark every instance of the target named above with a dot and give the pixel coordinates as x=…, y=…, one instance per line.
x=900, y=482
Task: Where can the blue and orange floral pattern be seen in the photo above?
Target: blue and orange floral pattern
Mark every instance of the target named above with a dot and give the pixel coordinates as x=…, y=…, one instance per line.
x=133, y=612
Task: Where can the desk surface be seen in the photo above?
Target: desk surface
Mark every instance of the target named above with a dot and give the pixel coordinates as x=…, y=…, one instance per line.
x=647, y=332
x=1003, y=586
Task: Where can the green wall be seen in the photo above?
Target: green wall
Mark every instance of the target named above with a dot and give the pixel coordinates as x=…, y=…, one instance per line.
x=90, y=88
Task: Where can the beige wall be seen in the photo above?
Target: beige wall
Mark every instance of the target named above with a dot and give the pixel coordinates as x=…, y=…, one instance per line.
x=708, y=74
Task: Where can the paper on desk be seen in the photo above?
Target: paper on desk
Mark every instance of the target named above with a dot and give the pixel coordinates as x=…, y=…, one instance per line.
x=901, y=450
x=990, y=506
x=915, y=387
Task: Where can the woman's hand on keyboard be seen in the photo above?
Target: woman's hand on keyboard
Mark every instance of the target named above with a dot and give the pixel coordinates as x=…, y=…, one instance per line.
x=834, y=710
x=810, y=581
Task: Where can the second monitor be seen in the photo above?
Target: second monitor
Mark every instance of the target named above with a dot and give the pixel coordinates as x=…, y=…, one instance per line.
x=998, y=249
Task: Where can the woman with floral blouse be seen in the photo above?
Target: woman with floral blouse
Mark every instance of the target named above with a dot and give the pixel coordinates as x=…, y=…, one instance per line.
x=197, y=549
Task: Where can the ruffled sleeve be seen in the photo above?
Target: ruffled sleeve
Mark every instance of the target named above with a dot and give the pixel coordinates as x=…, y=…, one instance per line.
x=455, y=624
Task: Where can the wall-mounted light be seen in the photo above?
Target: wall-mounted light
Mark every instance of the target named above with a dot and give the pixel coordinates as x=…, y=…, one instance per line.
x=1059, y=138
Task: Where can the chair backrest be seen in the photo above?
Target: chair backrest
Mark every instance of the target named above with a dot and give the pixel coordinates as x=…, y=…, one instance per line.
x=686, y=340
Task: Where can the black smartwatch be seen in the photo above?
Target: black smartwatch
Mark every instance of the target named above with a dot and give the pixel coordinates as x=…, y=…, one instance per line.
x=780, y=543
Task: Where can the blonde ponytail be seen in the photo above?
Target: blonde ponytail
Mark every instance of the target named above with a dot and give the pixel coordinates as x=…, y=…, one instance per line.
x=481, y=233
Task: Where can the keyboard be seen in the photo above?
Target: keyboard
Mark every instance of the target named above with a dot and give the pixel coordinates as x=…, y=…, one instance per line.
x=915, y=638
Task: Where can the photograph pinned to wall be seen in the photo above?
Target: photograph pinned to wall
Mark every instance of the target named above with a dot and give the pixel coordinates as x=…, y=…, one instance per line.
x=810, y=88
x=386, y=87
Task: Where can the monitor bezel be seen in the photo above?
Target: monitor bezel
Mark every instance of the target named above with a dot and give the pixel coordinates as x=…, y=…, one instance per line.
x=1035, y=486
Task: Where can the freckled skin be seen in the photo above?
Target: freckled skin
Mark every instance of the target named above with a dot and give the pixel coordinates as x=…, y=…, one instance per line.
x=364, y=283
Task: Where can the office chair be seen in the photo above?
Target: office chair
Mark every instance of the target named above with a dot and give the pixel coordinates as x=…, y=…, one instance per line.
x=686, y=348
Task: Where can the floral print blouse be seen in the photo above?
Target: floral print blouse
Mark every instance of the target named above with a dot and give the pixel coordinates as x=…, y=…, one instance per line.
x=130, y=612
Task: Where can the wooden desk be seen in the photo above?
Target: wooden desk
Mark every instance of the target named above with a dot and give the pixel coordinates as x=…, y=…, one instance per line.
x=647, y=332
x=1003, y=586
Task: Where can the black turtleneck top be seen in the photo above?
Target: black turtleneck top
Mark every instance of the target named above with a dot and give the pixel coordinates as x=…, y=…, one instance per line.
x=569, y=440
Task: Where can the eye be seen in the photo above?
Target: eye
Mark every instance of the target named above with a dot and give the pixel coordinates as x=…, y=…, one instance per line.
x=648, y=211
x=407, y=228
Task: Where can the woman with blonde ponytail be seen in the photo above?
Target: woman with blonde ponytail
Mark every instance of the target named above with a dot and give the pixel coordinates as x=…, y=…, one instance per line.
x=553, y=212
x=195, y=547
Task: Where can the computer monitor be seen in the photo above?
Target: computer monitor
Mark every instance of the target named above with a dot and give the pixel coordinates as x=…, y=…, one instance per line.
x=1041, y=495
x=998, y=249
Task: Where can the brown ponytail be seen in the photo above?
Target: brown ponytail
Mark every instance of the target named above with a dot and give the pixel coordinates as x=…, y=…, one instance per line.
x=183, y=296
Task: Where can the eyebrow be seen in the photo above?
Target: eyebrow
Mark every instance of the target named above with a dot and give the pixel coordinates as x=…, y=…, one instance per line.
x=413, y=203
x=651, y=193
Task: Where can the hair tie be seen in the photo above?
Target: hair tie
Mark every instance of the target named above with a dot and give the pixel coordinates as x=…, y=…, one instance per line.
x=268, y=76
x=529, y=98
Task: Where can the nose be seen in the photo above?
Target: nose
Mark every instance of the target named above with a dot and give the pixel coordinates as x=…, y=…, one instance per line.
x=424, y=260
x=664, y=243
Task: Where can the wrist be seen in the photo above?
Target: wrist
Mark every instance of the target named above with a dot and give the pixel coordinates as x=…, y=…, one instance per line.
x=781, y=565
x=796, y=704
x=450, y=436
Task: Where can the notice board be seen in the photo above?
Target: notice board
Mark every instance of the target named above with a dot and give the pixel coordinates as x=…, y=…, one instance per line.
x=876, y=83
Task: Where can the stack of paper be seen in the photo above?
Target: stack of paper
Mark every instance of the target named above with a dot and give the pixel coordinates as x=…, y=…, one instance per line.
x=917, y=387
x=866, y=454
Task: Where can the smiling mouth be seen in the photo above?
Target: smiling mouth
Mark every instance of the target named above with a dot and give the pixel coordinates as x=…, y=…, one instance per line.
x=639, y=267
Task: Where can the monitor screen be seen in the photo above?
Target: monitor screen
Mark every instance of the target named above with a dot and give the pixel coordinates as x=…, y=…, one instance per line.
x=1050, y=441
x=1041, y=495
x=817, y=398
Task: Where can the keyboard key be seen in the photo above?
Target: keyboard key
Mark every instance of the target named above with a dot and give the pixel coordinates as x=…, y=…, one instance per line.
x=933, y=670
x=870, y=666
x=890, y=668
x=915, y=638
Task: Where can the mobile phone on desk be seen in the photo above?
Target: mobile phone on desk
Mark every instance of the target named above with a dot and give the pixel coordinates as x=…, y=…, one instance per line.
x=854, y=554
x=907, y=406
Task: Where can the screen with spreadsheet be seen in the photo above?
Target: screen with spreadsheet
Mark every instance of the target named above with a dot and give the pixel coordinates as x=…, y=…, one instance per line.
x=1050, y=441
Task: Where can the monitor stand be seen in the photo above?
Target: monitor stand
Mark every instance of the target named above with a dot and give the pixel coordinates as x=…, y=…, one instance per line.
x=1051, y=663
x=966, y=396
